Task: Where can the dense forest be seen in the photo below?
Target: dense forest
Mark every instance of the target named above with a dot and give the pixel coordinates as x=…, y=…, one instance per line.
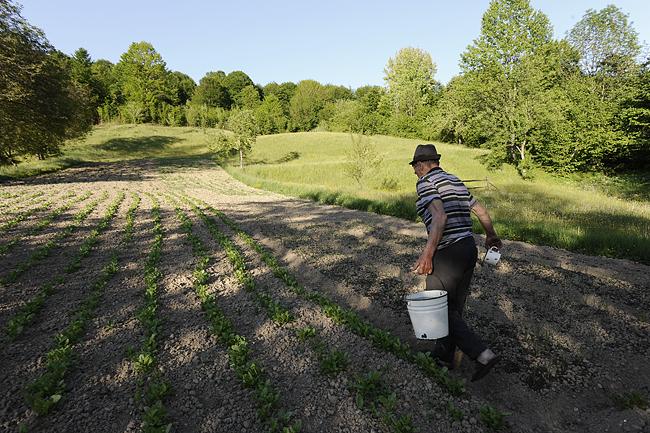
x=581, y=103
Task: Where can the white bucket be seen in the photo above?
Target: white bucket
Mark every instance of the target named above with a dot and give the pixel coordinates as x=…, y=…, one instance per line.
x=428, y=312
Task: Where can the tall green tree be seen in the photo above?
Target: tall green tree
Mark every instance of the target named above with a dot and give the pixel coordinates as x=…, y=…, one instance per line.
x=270, y=116
x=249, y=97
x=306, y=104
x=143, y=76
x=40, y=104
x=182, y=85
x=235, y=83
x=635, y=118
x=606, y=41
x=410, y=80
x=510, y=30
x=212, y=91
x=82, y=73
x=108, y=90
x=505, y=68
x=284, y=92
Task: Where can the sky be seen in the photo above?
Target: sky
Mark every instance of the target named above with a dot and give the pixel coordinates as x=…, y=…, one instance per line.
x=342, y=42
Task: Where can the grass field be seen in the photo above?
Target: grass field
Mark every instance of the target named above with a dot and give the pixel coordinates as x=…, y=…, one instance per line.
x=592, y=214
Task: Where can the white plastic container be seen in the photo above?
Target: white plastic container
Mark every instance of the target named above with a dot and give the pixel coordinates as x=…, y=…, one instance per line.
x=492, y=256
x=428, y=313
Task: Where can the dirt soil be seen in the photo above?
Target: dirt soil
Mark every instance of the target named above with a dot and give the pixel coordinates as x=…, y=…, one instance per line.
x=573, y=331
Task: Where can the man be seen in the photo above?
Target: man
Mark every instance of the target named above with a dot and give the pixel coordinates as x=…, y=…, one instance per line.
x=449, y=257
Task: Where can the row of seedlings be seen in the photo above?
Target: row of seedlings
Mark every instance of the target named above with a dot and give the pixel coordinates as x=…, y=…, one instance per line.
x=23, y=200
x=19, y=217
x=380, y=338
x=249, y=372
x=45, y=250
x=372, y=392
x=27, y=313
x=48, y=389
x=46, y=221
x=151, y=387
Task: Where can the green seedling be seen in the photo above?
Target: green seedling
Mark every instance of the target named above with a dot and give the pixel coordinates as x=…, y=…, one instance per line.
x=349, y=318
x=630, y=400
x=333, y=363
x=492, y=418
x=306, y=333
x=455, y=413
x=249, y=372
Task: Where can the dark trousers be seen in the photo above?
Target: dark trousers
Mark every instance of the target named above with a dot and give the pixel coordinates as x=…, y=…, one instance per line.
x=453, y=268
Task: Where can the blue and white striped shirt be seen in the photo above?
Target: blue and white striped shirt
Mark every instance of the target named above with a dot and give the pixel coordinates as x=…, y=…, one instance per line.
x=457, y=201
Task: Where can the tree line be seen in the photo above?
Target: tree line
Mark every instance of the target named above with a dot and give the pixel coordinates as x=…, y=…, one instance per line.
x=580, y=103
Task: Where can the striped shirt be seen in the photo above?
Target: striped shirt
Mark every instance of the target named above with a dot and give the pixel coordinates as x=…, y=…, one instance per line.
x=437, y=184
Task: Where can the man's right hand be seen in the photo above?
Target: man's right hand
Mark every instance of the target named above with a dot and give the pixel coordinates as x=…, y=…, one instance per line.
x=493, y=241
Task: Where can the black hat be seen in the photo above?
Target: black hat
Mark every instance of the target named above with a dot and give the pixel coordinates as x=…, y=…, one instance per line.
x=425, y=152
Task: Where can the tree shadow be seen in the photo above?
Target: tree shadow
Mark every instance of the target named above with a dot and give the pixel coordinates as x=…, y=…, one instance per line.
x=139, y=144
x=288, y=157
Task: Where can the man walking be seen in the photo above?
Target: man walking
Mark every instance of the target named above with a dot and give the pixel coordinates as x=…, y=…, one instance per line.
x=449, y=257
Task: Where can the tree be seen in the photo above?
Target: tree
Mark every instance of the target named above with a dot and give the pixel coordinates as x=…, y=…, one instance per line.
x=306, y=104
x=212, y=91
x=270, y=116
x=510, y=31
x=142, y=74
x=635, y=118
x=410, y=80
x=606, y=41
x=108, y=90
x=244, y=127
x=82, y=73
x=182, y=85
x=41, y=106
x=235, y=83
x=505, y=83
x=362, y=158
x=284, y=92
x=248, y=97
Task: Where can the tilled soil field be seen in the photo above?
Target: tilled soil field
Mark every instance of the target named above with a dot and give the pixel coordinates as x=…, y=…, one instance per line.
x=142, y=298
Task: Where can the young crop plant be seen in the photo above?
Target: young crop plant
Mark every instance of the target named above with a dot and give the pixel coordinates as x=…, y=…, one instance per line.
x=28, y=311
x=455, y=413
x=92, y=239
x=22, y=216
x=276, y=312
x=48, y=389
x=331, y=362
x=43, y=223
x=380, y=338
x=630, y=400
x=373, y=394
x=152, y=388
x=250, y=373
x=23, y=200
x=492, y=418
x=45, y=250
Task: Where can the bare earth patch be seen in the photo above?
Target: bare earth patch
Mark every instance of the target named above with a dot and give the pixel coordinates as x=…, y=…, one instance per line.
x=573, y=330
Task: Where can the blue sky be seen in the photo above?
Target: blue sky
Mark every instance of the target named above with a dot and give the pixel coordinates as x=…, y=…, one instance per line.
x=344, y=42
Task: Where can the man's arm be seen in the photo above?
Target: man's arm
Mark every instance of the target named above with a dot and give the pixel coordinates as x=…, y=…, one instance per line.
x=424, y=265
x=491, y=238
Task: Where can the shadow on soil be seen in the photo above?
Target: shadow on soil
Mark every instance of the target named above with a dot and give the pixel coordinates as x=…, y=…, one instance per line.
x=138, y=145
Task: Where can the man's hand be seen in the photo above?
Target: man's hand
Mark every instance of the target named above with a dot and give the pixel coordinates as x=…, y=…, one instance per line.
x=492, y=241
x=424, y=265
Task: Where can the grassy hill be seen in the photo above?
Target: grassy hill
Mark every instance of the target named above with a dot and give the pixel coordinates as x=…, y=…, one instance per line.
x=591, y=214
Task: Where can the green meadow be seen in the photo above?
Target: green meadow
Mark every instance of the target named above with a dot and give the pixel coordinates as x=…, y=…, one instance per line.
x=593, y=214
